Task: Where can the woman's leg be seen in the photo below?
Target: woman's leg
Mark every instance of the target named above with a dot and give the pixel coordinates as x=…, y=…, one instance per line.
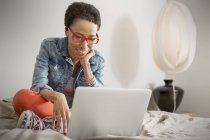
x=26, y=99
x=29, y=120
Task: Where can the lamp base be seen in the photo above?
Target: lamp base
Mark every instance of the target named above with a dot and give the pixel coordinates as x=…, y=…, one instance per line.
x=167, y=97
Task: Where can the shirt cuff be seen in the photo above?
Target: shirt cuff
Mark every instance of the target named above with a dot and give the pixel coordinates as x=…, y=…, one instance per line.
x=91, y=83
x=46, y=87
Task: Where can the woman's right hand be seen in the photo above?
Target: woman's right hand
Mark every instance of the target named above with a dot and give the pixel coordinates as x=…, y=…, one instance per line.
x=61, y=112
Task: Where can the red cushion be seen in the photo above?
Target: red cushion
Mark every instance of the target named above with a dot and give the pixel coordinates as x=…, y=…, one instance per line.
x=26, y=99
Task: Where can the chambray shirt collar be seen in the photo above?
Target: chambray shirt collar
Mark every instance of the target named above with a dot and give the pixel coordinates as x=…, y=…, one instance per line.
x=63, y=47
x=63, y=50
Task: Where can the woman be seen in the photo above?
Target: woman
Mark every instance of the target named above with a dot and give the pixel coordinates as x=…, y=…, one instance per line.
x=62, y=65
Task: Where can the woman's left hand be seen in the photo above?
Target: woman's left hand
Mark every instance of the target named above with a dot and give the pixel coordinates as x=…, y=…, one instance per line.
x=85, y=60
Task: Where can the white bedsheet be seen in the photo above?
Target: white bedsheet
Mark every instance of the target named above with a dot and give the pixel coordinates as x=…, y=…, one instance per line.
x=156, y=125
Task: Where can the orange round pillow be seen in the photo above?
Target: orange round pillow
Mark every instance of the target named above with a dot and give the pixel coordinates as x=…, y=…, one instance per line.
x=26, y=99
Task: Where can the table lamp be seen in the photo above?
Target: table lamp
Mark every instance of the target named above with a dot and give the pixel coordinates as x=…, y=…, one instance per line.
x=174, y=46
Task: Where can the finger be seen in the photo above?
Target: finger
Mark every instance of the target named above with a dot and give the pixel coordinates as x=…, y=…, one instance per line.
x=68, y=114
x=68, y=118
x=58, y=123
x=92, y=51
x=91, y=54
x=64, y=119
x=53, y=118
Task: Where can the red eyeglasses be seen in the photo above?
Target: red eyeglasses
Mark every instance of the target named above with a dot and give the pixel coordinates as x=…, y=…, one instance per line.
x=79, y=38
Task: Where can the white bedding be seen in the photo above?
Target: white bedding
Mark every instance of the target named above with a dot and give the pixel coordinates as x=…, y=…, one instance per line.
x=156, y=125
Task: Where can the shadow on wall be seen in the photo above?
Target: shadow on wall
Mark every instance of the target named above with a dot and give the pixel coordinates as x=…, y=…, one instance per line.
x=125, y=51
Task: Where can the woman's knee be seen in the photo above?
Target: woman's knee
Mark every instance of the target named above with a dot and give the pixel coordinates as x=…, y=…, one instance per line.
x=26, y=99
x=20, y=100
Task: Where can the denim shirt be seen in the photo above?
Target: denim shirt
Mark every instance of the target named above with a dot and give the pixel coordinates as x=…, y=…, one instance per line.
x=54, y=67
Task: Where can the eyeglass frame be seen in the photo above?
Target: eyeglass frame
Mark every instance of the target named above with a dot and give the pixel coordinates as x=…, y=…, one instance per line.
x=83, y=37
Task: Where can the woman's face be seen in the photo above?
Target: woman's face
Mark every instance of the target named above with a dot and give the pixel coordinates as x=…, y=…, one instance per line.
x=79, y=34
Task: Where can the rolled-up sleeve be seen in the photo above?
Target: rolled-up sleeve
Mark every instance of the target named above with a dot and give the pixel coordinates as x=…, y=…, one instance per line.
x=98, y=75
x=40, y=75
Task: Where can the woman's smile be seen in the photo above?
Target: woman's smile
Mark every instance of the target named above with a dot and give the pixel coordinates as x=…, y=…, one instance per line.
x=81, y=52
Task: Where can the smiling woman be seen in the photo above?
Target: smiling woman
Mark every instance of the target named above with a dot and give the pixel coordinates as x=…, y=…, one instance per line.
x=62, y=65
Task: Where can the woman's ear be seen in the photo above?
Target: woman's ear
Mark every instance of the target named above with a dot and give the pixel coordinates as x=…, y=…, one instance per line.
x=66, y=31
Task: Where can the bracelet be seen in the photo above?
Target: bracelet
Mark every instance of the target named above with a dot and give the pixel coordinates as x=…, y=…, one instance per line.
x=91, y=82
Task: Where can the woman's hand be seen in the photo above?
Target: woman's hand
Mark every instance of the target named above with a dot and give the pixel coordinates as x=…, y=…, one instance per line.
x=86, y=66
x=61, y=112
x=85, y=60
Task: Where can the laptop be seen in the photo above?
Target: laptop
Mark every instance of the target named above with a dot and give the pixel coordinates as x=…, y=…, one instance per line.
x=107, y=111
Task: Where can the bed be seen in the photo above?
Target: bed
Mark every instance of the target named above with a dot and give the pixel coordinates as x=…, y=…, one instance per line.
x=156, y=125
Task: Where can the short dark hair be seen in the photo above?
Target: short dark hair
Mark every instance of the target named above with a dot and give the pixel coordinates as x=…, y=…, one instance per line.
x=81, y=10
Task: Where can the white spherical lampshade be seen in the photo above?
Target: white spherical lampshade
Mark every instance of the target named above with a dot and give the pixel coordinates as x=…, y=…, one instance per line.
x=174, y=38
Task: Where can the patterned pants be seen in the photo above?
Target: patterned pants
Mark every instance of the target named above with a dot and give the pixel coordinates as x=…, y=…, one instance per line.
x=29, y=120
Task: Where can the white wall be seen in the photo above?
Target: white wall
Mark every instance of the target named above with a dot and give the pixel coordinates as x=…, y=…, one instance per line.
x=23, y=25
x=196, y=80
x=125, y=40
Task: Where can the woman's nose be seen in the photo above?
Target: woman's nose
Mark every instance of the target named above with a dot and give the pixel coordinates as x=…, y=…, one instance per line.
x=84, y=45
